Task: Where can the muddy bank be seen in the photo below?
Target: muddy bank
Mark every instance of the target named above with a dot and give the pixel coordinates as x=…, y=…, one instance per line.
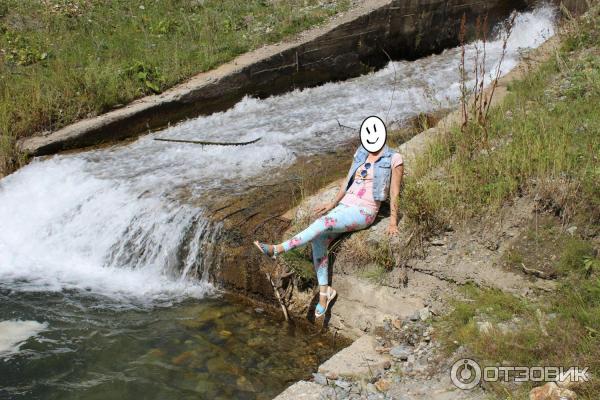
x=350, y=45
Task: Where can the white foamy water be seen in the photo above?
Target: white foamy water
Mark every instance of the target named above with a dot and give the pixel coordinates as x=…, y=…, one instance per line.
x=13, y=333
x=124, y=221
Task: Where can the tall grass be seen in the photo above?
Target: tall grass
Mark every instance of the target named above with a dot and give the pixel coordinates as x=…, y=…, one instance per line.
x=63, y=60
x=543, y=140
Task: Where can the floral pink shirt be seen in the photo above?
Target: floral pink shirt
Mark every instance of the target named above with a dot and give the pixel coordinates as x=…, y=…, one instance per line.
x=360, y=193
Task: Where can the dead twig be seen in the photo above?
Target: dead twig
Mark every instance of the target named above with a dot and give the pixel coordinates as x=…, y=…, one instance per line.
x=509, y=28
x=206, y=143
x=345, y=126
x=393, y=88
x=537, y=273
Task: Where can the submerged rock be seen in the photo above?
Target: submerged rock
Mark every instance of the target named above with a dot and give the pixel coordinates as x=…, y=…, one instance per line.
x=244, y=384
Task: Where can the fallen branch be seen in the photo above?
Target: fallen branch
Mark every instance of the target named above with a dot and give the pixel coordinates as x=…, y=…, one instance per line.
x=233, y=213
x=205, y=143
x=278, y=296
x=537, y=273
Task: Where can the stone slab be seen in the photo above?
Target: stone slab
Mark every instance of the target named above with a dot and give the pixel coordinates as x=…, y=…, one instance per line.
x=302, y=390
x=357, y=360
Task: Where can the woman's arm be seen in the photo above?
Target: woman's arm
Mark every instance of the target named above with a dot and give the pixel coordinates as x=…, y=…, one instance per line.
x=397, y=174
x=323, y=208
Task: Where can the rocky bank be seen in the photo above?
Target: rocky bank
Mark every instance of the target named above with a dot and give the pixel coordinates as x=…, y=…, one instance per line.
x=396, y=354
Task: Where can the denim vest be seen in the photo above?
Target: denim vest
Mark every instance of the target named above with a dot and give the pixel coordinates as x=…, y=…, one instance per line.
x=382, y=171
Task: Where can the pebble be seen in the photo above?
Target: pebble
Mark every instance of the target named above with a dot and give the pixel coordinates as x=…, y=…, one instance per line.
x=383, y=385
x=424, y=314
x=387, y=325
x=365, y=326
x=341, y=393
x=371, y=388
x=343, y=384
x=484, y=326
x=320, y=379
x=331, y=375
x=401, y=352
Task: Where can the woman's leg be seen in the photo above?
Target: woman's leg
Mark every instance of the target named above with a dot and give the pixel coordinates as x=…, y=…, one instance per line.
x=340, y=219
x=320, y=258
x=320, y=244
x=321, y=232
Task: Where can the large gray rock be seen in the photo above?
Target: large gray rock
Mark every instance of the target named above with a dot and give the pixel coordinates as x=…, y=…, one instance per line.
x=355, y=360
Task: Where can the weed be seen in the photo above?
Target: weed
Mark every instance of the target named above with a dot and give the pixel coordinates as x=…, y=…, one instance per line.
x=149, y=77
x=299, y=261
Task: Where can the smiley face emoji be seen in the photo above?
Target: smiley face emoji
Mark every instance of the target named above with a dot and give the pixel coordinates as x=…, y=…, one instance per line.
x=373, y=134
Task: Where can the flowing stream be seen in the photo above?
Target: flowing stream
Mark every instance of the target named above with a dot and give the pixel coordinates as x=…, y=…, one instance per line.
x=105, y=254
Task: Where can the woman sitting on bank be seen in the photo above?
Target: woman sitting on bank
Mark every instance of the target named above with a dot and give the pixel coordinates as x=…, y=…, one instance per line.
x=376, y=171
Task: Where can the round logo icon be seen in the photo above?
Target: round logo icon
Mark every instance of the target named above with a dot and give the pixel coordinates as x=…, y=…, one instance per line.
x=465, y=374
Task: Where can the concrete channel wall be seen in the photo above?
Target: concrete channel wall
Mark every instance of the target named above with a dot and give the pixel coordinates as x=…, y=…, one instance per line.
x=352, y=44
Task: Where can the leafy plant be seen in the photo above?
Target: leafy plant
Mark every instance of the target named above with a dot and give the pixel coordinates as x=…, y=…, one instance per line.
x=147, y=75
x=164, y=27
x=22, y=52
x=590, y=264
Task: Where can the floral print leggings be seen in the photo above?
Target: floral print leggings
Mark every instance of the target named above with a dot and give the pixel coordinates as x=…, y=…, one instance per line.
x=325, y=229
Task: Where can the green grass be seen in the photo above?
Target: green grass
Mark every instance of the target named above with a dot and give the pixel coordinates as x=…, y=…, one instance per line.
x=570, y=318
x=543, y=140
x=63, y=60
x=545, y=143
x=300, y=262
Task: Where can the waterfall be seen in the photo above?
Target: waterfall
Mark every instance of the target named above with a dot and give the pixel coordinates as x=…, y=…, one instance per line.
x=131, y=221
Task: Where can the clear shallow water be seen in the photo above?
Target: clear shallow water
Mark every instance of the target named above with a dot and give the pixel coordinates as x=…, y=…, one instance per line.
x=119, y=238
x=210, y=349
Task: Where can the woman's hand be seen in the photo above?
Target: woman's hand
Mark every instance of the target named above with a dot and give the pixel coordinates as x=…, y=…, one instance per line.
x=392, y=230
x=323, y=208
